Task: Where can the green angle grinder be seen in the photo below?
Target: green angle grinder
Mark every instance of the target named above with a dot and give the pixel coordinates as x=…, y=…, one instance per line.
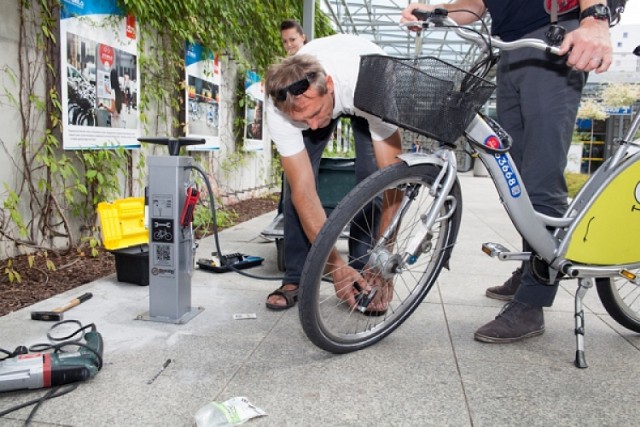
x=43, y=370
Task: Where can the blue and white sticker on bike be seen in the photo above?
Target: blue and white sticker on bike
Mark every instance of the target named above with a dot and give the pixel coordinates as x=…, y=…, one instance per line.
x=509, y=175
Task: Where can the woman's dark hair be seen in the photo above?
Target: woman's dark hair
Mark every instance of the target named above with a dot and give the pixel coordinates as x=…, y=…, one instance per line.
x=290, y=23
x=115, y=85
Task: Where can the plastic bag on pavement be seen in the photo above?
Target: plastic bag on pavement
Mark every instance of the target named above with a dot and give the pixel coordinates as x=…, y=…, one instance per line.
x=232, y=412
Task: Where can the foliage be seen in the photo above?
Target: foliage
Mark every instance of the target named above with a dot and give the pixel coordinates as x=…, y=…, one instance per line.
x=246, y=31
x=575, y=181
x=55, y=189
x=226, y=27
x=203, y=219
x=620, y=94
x=344, y=146
x=100, y=181
x=590, y=109
x=276, y=169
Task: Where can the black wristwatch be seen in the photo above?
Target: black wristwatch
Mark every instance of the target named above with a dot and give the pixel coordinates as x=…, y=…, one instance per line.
x=597, y=11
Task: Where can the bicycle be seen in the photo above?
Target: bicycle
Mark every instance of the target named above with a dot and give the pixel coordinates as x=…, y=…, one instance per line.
x=81, y=105
x=421, y=206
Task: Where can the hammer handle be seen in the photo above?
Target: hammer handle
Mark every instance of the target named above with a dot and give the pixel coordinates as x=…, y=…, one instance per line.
x=82, y=298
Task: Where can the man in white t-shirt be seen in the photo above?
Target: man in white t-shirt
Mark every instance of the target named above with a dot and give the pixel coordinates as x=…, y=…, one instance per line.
x=311, y=90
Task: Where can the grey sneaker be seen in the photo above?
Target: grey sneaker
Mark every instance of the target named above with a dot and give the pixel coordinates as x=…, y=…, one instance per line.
x=507, y=290
x=515, y=321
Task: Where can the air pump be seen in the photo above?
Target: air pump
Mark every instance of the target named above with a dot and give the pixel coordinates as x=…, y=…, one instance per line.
x=171, y=198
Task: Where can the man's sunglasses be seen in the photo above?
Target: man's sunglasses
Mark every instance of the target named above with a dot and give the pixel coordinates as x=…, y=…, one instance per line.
x=296, y=88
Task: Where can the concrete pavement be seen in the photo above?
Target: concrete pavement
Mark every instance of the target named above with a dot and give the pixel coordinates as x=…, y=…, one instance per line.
x=430, y=372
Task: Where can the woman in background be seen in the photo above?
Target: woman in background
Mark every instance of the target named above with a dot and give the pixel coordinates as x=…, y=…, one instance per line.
x=293, y=37
x=116, y=96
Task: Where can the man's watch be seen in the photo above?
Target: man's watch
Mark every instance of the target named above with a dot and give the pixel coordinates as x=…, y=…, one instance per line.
x=597, y=11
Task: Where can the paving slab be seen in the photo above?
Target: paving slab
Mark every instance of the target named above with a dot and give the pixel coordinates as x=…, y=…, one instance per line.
x=430, y=372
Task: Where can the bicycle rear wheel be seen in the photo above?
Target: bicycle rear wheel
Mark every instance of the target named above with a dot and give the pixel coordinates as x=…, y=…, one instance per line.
x=327, y=320
x=621, y=299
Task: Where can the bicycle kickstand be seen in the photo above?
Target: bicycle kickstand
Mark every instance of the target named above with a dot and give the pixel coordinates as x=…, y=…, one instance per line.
x=584, y=285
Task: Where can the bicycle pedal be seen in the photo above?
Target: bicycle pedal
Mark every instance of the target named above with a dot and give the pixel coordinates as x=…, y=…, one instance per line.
x=494, y=249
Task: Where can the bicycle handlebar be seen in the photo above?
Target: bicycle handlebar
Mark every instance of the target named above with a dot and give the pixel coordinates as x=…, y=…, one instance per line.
x=439, y=19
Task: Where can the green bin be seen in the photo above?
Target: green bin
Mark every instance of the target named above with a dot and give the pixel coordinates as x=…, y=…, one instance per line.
x=336, y=177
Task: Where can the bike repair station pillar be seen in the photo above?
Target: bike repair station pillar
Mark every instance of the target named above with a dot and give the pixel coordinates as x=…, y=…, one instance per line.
x=171, y=246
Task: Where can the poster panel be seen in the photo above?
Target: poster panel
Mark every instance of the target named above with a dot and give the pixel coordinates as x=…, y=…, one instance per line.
x=99, y=69
x=202, y=97
x=254, y=112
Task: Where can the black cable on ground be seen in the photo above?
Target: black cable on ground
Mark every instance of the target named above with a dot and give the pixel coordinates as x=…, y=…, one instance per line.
x=215, y=228
x=61, y=342
x=53, y=393
x=253, y=276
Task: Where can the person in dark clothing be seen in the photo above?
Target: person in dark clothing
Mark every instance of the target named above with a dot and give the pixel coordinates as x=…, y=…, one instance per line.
x=537, y=103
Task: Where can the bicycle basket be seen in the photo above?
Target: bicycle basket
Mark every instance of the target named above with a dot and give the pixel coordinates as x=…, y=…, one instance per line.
x=425, y=95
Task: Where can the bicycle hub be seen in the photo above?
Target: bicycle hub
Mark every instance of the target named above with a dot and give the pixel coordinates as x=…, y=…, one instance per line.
x=386, y=263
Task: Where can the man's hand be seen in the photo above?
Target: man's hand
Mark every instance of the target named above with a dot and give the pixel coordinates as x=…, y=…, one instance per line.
x=589, y=46
x=408, y=16
x=344, y=277
x=384, y=288
x=462, y=11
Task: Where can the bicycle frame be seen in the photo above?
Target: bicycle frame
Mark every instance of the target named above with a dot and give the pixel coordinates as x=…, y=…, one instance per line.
x=558, y=250
x=551, y=247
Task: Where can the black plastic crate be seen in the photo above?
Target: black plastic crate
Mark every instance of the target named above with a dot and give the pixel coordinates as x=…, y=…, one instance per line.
x=132, y=264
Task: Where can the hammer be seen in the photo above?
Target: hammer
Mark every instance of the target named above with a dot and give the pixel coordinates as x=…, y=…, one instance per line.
x=55, y=315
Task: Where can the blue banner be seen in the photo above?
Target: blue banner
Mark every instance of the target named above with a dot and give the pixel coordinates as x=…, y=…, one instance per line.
x=75, y=8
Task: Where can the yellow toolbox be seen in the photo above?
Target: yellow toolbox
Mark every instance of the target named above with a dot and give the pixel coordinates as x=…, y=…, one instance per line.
x=124, y=235
x=122, y=223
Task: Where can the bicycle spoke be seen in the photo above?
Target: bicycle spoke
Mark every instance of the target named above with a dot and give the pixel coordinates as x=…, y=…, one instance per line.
x=400, y=286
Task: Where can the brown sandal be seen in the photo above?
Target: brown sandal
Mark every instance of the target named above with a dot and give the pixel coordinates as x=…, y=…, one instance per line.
x=290, y=297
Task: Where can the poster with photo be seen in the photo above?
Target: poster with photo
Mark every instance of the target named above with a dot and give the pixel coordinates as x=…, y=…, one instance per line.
x=202, y=97
x=100, y=79
x=254, y=112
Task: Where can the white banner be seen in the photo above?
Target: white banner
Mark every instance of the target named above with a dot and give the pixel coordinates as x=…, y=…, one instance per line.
x=202, y=97
x=100, y=79
x=254, y=112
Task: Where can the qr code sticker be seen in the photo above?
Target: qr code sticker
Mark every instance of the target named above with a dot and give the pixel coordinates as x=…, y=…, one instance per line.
x=163, y=255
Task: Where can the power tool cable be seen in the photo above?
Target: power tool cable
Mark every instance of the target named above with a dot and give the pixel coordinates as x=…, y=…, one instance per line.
x=50, y=394
x=66, y=341
x=59, y=343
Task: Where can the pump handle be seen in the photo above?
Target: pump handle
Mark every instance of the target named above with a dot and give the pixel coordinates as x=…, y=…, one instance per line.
x=174, y=144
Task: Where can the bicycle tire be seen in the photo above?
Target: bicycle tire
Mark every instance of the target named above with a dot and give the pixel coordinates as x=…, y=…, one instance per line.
x=621, y=299
x=327, y=321
x=85, y=118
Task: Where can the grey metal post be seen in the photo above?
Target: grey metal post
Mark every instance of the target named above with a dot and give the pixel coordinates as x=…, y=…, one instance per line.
x=170, y=244
x=308, y=18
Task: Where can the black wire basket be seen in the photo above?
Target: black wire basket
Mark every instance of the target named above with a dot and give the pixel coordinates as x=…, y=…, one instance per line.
x=425, y=95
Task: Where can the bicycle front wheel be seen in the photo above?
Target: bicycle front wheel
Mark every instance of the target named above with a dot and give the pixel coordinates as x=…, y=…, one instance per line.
x=621, y=299
x=327, y=320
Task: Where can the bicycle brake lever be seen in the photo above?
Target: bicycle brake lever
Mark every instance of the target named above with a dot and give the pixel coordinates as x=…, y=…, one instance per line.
x=434, y=16
x=555, y=35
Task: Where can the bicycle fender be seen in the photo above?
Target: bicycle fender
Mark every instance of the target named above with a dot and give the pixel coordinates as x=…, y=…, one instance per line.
x=412, y=159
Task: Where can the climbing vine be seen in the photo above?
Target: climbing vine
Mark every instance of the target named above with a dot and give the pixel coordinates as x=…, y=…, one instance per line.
x=56, y=191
